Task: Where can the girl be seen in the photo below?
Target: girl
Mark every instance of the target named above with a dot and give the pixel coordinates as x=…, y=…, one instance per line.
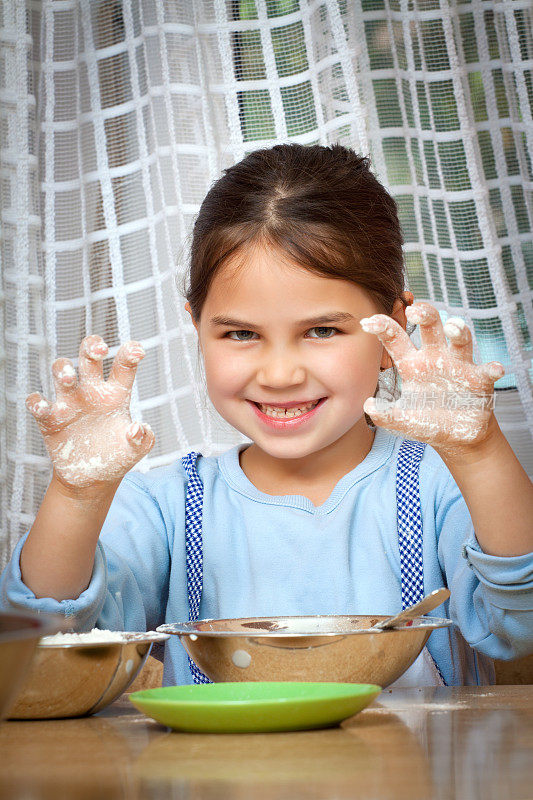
x=341, y=503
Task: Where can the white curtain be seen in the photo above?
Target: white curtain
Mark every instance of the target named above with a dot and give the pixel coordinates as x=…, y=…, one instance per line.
x=116, y=117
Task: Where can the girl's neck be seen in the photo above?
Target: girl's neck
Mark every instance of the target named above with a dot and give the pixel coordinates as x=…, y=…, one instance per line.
x=314, y=476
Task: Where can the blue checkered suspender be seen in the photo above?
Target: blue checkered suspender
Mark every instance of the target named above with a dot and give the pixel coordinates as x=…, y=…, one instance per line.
x=193, y=547
x=409, y=521
x=409, y=532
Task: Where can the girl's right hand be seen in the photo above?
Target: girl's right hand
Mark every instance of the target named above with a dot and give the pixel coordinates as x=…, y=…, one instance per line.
x=88, y=431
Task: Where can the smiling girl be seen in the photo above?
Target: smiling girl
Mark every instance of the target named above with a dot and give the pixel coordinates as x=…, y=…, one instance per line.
x=340, y=503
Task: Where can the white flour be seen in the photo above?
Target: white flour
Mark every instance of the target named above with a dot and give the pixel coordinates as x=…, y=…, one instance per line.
x=95, y=636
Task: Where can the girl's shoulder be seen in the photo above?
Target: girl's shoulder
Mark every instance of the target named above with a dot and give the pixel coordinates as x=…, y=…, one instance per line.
x=156, y=477
x=434, y=477
x=169, y=478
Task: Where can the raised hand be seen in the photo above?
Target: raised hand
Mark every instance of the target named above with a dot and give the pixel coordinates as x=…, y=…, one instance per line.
x=88, y=430
x=446, y=399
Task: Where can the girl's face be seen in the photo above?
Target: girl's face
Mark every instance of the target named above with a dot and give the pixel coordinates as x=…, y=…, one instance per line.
x=274, y=334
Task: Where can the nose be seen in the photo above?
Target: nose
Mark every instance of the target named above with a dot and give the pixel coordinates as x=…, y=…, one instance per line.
x=280, y=369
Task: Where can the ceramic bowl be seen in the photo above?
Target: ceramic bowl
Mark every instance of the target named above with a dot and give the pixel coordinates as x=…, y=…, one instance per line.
x=76, y=679
x=307, y=648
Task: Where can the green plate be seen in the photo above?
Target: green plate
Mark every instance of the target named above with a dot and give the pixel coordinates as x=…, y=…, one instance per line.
x=254, y=707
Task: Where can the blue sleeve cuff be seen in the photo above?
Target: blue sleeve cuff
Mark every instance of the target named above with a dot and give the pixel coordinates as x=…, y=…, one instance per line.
x=507, y=580
x=85, y=609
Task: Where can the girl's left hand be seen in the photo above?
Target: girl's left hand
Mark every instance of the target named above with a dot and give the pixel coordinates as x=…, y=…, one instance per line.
x=446, y=399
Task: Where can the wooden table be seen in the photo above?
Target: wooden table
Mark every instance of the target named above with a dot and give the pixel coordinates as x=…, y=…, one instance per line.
x=416, y=743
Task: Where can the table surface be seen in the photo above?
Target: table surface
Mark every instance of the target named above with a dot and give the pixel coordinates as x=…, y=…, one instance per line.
x=444, y=742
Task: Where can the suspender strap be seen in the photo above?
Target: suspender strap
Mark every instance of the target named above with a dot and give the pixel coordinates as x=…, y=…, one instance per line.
x=410, y=521
x=193, y=547
x=410, y=538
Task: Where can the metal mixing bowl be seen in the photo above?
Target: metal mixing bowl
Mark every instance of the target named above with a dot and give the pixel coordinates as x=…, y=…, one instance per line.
x=310, y=648
x=20, y=632
x=73, y=680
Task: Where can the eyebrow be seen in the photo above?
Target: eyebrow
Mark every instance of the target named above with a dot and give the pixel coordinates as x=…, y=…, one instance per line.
x=323, y=319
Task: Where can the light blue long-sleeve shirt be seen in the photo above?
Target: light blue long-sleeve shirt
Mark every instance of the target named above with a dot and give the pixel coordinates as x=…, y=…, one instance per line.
x=270, y=555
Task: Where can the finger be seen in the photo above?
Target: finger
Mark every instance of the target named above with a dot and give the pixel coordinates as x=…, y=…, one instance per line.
x=140, y=436
x=65, y=379
x=385, y=414
x=125, y=364
x=460, y=338
x=49, y=416
x=38, y=407
x=431, y=328
x=93, y=350
x=391, y=335
x=492, y=371
x=434, y=425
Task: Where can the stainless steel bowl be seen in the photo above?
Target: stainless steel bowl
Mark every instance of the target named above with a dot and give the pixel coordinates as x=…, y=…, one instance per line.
x=20, y=632
x=310, y=648
x=76, y=679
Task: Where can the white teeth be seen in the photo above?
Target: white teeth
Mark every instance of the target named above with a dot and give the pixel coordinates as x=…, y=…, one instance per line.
x=286, y=413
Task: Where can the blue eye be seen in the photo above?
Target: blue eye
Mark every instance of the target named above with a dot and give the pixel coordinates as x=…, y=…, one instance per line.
x=247, y=337
x=238, y=339
x=332, y=330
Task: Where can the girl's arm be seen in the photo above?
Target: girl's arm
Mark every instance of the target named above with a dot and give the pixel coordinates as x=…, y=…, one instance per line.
x=447, y=401
x=92, y=444
x=128, y=586
x=58, y=556
x=498, y=493
x=491, y=596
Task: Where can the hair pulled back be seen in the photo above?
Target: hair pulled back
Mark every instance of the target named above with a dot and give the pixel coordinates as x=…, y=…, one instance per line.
x=321, y=206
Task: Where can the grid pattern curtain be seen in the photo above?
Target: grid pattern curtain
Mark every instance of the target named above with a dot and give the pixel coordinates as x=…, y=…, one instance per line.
x=116, y=117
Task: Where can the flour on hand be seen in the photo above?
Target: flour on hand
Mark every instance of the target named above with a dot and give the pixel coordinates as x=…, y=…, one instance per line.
x=88, y=430
x=445, y=399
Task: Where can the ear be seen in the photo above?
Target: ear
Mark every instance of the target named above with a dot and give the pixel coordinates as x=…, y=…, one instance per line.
x=188, y=308
x=397, y=313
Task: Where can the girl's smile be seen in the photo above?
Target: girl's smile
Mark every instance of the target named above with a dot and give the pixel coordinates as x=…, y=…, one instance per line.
x=288, y=415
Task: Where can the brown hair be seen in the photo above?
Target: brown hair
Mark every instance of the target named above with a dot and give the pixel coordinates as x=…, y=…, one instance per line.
x=319, y=205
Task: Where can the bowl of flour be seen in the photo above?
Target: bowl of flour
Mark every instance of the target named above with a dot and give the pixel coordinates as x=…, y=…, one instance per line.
x=77, y=674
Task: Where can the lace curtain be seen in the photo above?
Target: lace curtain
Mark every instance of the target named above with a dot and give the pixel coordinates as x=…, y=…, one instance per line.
x=116, y=117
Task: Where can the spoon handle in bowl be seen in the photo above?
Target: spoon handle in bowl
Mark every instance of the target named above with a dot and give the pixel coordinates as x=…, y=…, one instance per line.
x=428, y=603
